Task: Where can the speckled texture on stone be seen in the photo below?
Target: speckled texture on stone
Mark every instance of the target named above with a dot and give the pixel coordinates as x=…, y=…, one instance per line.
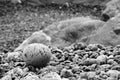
x=37, y=55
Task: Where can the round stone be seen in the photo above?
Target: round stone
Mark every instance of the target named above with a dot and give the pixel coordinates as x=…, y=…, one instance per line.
x=37, y=55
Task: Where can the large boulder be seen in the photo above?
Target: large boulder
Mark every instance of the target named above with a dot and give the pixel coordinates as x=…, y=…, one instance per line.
x=63, y=33
x=112, y=9
x=108, y=35
x=72, y=30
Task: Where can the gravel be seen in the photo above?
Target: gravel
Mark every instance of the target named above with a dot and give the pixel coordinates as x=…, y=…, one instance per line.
x=69, y=63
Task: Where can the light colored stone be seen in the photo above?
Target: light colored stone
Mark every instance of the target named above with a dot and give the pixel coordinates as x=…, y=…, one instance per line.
x=113, y=74
x=68, y=31
x=51, y=76
x=36, y=37
x=109, y=34
x=112, y=8
x=6, y=77
x=13, y=55
x=31, y=76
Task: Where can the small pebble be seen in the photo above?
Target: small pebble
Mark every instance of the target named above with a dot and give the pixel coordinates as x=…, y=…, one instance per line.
x=66, y=73
x=51, y=76
x=102, y=59
x=31, y=76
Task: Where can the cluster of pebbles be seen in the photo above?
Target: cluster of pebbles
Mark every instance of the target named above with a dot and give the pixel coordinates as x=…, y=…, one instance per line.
x=76, y=62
